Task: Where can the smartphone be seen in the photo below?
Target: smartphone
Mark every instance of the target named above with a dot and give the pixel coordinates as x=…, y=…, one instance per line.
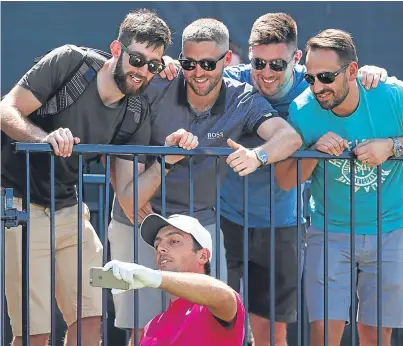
x=105, y=279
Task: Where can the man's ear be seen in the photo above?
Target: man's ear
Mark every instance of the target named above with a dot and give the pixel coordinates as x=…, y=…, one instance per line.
x=352, y=71
x=250, y=53
x=115, y=48
x=228, y=58
x=204, y=256
x=297, y=56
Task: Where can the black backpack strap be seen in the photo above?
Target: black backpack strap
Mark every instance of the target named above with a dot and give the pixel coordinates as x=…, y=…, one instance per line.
x=133, y=115
x=74, y=85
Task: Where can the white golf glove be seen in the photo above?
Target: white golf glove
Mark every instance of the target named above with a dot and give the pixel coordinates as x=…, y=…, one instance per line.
x=136, y=275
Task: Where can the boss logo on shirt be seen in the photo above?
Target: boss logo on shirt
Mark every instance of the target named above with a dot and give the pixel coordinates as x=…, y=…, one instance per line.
x=214, y=135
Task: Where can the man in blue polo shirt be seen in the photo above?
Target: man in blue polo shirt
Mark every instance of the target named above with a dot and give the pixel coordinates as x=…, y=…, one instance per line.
x=370, y=123
x=216, y=110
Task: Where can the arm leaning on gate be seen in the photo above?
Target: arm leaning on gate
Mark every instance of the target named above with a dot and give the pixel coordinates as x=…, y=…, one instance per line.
x=149, y=180
x=286, y=171
x=14, y=111
x=281, y=141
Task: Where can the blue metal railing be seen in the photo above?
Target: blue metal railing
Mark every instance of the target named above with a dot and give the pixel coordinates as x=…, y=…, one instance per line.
x=104, y=191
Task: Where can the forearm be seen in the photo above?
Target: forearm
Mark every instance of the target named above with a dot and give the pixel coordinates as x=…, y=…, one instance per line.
x=286, y=172
x=282, y=144
x=148, y=183
x=198, y=288
x=19, y=127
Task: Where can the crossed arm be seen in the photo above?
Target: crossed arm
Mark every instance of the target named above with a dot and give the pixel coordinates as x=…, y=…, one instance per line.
x=371, y=152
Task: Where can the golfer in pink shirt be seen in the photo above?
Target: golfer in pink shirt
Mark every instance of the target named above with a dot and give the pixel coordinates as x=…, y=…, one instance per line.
x=202, y=310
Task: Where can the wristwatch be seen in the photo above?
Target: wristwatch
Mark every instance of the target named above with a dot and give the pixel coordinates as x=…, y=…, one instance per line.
x=261, y=156
x=168, y=166
x=397, y=149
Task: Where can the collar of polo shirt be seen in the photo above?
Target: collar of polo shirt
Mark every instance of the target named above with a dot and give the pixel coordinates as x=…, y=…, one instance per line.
x=219, y=105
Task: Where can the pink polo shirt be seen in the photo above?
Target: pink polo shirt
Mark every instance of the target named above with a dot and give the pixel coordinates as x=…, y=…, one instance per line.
x=185, y=323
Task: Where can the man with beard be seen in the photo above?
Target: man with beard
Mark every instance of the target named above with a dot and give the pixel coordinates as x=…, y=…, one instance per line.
x=218, y=111
x=337, y=113
x=97, y=116
x=202, y=309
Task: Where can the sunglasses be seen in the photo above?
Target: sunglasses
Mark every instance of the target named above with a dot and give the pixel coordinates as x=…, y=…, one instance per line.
x=139, y=61
x=205, y=64
x=324, y=77
x=277, y=65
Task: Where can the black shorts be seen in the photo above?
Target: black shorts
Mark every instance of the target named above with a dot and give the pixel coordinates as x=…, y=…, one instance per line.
x=286, y=271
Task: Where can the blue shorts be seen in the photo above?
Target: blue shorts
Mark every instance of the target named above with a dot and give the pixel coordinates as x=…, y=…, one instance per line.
x=339, y=271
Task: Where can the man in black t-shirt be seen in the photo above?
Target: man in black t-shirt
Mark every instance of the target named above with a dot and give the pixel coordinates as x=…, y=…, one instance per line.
x=97, y=116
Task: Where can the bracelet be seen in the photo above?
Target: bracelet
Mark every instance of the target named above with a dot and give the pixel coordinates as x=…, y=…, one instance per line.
x=167, y=165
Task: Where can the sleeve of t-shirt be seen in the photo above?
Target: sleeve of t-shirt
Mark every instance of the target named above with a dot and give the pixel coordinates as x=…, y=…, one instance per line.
x=240, y=73
x=156, y=88
x=240, y=313
x=236, y=328
x=295, y=120
x=49, y=74
x=259, y=110
x=398, y=86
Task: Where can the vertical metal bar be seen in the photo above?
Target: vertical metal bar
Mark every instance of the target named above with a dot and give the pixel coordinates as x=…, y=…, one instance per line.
x=306, y=326
x=379, y=256
x=245, y=257
x=101, y=210
x=2, y=272
x=272, y=261
x=191, y=187
x=163, y=213
x=105, y=214
x=305, y=318
x=136, y=243
x=79, y=247
x=352, y=251
x=52, y=253
x=25, y=255
x=217, y=223
x=163, y=187
x=299, y=244
x=326, y=259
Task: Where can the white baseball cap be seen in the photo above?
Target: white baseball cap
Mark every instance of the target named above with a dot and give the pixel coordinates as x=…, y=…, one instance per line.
x=154, y=222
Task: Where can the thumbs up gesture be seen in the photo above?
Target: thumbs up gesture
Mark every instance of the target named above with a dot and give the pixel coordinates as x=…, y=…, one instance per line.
x=243, y=161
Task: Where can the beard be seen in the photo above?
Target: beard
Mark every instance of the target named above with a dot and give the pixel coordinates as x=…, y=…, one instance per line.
x=121, y=80
x=279, y=88
x=211, y=80
x=336, y=97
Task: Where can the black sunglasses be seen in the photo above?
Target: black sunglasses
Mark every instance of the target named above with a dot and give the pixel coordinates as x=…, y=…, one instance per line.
x=324, y=77
x=139, y=61
x=277, y=65
x=205, y=64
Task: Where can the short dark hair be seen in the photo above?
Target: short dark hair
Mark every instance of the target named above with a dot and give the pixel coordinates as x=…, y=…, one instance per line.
x=336, y=40
x=207, y=29
x=197, y=247
x=274, y=28
x=143, y=25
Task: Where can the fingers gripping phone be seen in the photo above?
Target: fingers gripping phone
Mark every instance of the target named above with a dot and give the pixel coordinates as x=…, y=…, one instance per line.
x=105, y=279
